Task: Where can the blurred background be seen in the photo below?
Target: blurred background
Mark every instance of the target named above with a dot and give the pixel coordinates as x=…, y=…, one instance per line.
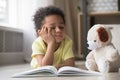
x=17, y=29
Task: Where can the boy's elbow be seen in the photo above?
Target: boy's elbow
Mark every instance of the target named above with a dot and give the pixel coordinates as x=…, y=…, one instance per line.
x=70, y=62
x=45, y=63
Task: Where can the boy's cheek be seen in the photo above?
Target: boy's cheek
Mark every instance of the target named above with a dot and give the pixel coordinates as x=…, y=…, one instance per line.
x=53, y=32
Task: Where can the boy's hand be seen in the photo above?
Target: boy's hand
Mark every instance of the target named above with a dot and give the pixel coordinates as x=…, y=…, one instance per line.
x=46, y=34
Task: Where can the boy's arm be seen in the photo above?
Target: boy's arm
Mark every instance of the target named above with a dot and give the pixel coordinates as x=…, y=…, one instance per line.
x=68, y=62
x=46, y=59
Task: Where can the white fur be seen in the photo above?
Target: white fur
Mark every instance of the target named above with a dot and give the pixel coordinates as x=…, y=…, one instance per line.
x=103, y=56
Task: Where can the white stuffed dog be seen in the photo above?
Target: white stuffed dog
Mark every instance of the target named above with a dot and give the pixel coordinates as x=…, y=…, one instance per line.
x=103, y=56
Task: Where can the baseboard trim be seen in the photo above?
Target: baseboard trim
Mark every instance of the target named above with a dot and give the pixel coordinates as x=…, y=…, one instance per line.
x=11, y=58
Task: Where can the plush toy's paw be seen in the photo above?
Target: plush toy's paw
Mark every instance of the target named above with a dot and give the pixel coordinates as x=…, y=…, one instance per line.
x=91, y=65
x=112, y=55
x=103, y=65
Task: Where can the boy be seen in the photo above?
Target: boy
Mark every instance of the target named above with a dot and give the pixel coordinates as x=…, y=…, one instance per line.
x=53, y=46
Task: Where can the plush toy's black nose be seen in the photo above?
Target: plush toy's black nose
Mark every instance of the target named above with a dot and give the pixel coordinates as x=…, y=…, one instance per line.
x=87, y=45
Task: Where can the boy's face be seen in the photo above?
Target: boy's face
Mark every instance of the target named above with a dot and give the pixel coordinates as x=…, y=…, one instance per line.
x=57, y=26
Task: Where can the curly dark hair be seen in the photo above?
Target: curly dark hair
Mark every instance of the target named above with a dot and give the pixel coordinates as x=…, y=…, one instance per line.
x=41, y=13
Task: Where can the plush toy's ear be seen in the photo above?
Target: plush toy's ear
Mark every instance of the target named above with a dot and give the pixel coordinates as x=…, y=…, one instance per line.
x=102, y=34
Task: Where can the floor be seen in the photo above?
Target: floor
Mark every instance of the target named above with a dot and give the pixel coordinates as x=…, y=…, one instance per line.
x=7, y=71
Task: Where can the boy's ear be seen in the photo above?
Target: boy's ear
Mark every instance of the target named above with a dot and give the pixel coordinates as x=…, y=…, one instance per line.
x=38, y=32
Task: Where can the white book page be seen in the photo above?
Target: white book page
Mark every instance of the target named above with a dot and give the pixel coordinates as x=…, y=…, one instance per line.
x=45, y=70
x=68, y=70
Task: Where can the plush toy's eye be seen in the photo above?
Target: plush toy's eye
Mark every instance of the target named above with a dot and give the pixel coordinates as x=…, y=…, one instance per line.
x=94, y=40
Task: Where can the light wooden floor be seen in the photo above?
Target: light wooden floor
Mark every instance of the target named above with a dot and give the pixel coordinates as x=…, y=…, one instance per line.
x=7, y=71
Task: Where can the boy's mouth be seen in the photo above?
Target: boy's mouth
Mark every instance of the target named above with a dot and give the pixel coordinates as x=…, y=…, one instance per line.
x=58, y=36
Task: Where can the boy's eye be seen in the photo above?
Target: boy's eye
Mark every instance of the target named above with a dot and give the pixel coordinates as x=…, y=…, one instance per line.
x=61, y=27
x=52, y=27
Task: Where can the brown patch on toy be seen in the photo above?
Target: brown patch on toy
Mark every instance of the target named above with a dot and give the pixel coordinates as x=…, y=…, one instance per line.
x=103, y=35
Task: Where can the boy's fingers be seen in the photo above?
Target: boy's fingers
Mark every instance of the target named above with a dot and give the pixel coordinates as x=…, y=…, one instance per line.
x=42, y=29
x=49, y=30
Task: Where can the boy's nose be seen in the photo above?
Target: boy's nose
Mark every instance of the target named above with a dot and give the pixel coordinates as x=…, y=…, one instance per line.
x=57, y=29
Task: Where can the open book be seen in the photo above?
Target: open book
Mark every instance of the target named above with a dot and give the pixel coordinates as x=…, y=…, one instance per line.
x=52, y=71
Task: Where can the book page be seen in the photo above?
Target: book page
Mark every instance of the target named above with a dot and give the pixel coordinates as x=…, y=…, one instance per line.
x=42, y=71
x=68, y=70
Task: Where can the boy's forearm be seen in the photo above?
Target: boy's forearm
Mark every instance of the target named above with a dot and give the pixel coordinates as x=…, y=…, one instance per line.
x=69, y=62
x=49, y=56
